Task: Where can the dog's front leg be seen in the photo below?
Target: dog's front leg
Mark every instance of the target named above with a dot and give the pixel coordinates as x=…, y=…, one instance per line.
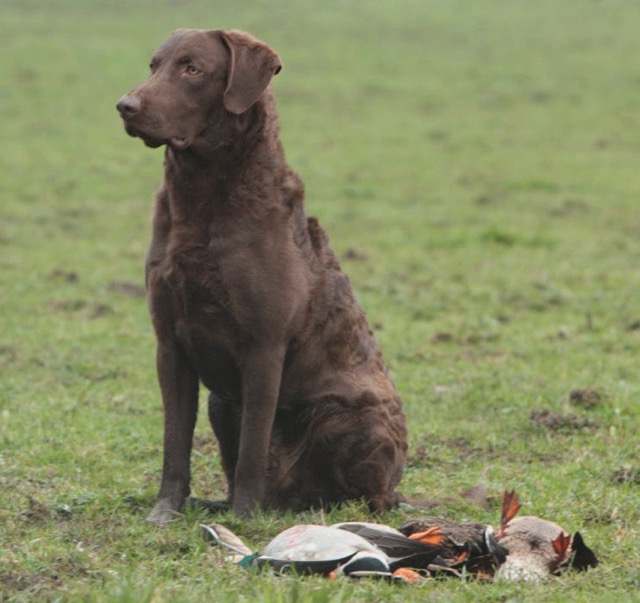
x=261, y=375
x=179, y=386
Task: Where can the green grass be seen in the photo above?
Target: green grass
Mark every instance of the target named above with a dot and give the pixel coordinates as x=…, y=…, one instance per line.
x=476, y=167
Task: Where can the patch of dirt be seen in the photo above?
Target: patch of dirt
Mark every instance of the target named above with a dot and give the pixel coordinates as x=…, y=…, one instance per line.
x=355, y=255
x=545, y=419
x=8, y=355
x=68, y=306
x=476, y=338
x=429, y=503
x=419, y=458
x=100, y=310
x=36, y=511
x=441, y=337
x=67, y=276
x=34, y=582
x=128, y=288
x=626, y=474
x=72, y=306
x=586, y=398
x=462, y=446
x=478, y=496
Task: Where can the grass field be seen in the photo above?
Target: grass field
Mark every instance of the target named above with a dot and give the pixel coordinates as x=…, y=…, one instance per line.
x=476, y=165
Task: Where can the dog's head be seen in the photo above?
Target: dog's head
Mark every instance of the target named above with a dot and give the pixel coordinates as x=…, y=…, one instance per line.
x=196, y=77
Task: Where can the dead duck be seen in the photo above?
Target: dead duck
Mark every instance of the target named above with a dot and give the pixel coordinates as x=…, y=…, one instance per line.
x=538, y=548
x=354, y=550
x=520, y=549
x=316, y=549
x=470, y=547
x=402, y=551
x=351, y=549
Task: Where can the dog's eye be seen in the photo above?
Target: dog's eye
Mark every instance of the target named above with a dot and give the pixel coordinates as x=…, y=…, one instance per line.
x=192, y=70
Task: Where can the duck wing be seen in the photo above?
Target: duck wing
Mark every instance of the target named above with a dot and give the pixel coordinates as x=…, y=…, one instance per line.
x=401, y=550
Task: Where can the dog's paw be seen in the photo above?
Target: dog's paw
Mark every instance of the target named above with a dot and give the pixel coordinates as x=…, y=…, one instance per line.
x=163, y=512
x=245, y=507
x=211, y=506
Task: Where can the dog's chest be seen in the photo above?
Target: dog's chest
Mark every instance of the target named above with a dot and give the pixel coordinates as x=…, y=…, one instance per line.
x=190, y=301
x=223, y=287
x=195, y=279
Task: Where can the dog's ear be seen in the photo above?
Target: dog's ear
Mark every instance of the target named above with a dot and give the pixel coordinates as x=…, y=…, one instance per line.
x=252, y=65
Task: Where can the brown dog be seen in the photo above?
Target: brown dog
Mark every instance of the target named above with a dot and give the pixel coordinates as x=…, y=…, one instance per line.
x=247, y=297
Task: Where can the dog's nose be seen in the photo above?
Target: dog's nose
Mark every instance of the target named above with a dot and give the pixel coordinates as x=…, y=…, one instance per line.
x=128, y=105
